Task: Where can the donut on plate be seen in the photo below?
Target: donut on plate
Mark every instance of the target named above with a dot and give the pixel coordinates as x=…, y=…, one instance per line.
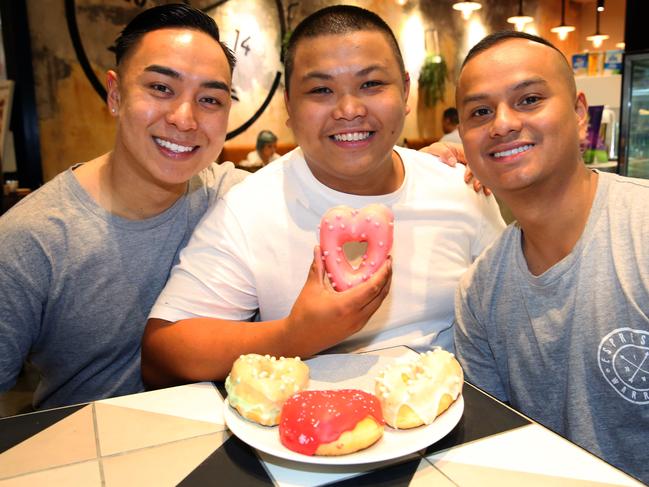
x=258, y=385
x=330, y=422
x=415, y=392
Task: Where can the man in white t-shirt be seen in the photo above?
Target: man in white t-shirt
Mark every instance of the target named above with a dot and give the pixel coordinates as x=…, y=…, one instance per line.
x=346, y=96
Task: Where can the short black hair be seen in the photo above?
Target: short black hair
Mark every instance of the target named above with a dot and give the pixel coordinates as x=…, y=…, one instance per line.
x=505, y=35
x=336, y=20
x=170, y=16
x=451, y=114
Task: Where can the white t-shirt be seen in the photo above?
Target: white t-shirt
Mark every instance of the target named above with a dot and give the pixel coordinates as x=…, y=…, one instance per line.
x=253, y=160
x=253, y=250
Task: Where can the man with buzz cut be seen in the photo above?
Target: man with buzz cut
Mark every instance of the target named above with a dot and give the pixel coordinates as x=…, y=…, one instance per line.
x=346, y=97
x=554, y=317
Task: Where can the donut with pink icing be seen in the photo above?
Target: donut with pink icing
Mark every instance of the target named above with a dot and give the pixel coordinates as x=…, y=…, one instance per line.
x=330, y=422
x=373, y=224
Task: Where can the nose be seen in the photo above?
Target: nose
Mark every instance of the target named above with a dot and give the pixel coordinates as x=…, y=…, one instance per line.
x=348, y=107
x=505, y=120
x=181, y=114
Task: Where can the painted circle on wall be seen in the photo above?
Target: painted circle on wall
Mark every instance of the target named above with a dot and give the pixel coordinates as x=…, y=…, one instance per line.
x=253, y=30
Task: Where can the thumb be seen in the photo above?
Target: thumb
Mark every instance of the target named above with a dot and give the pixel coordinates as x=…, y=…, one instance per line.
x=317, y=266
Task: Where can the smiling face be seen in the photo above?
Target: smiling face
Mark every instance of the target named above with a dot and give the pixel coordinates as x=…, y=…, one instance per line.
x=520, y=118
x=346, y=108
x=172, y=99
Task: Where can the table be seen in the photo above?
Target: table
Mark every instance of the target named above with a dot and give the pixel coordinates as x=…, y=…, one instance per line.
x=177, y=436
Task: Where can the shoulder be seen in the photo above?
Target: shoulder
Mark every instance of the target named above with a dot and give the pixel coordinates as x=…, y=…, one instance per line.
x=217, y=179
x=495, y=258
x=430, y=166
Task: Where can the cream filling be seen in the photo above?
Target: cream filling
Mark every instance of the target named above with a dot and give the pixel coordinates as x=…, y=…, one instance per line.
x=419, y=383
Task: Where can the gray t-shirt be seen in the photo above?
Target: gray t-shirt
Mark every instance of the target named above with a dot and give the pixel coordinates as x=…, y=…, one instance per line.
x=570, y=348
x=78, y=282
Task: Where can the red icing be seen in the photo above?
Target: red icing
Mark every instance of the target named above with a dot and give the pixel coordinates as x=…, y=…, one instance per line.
x=312, y=418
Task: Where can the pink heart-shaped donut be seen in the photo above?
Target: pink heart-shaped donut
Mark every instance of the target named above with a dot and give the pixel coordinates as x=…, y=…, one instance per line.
x=372, y=224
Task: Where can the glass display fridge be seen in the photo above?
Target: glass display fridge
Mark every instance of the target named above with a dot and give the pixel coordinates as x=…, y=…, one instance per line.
x=634, y=116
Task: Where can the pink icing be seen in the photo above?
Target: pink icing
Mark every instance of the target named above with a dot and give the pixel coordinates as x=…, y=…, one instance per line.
x=372, y=224
x=312, y=418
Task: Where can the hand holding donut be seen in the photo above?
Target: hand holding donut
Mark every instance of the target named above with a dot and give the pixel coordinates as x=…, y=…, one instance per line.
x=321, y=317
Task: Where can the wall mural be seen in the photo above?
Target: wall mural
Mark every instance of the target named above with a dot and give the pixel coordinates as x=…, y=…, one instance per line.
x=253, y=30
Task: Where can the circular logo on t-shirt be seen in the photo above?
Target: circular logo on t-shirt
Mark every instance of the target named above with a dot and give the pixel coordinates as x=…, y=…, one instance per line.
x=623, y=358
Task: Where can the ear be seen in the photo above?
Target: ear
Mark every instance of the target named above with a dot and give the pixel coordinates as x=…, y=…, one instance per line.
x=288, y=109
x=112, y=88
x=406, y=91
x=581, y=112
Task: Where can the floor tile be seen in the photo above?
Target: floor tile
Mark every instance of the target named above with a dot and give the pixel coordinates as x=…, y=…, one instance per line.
x=533, y=449
x=124, y=429
x=474, y=475
x=201, y=401
x=85, y=473
x=160, y=466
x=71, y=440
x=427, y=475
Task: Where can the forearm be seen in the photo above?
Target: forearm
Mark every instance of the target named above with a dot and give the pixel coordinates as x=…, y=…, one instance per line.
x=200, y=349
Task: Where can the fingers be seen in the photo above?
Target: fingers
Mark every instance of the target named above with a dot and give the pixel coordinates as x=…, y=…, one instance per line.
x=443, y=151
x=376, y=285
x=318, y=264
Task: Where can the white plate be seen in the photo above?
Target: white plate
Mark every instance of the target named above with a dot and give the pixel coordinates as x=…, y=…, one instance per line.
x=394, y=444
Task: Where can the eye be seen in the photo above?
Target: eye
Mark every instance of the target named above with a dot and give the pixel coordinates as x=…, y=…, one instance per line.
x=210, y=100
x=372, y=84
x=160, y=88
x=530, y=100
x=320, y=90
x=480, y=112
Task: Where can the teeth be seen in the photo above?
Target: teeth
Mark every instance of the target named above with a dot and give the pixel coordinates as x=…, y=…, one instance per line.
x=353, y=136
x=171, y=146
x=511, y=152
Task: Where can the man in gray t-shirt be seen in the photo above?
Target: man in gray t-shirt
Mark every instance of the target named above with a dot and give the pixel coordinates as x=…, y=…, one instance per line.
x=83, y=258
x=554, y=317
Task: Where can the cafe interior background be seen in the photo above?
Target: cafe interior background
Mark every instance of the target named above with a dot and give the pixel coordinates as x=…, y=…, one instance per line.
x=56, y=52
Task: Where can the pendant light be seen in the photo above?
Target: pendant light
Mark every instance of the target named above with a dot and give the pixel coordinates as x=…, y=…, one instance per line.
x=562, y=29
x=521, y=19
x=597, y=38
x=467, y=8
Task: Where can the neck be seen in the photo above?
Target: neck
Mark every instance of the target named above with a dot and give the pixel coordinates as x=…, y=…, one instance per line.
x=384, y=179
x=553, y=219
x=119, y=189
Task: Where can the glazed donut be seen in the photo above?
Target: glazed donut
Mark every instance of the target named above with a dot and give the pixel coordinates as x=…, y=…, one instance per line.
x=372, y=224
x=330, y=422
x=415, y=392
x=258, y=385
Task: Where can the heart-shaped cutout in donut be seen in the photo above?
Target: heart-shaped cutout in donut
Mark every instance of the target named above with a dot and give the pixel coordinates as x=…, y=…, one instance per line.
x=373, y=224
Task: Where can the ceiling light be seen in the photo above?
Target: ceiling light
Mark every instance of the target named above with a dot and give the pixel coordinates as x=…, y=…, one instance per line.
x=521, y=19
x=597, y=38
x=562, y=29
x=467, y=8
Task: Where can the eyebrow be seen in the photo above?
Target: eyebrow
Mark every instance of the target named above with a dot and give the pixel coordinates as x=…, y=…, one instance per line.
x=536, y=80
x=172, y=73
x=325, y=76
